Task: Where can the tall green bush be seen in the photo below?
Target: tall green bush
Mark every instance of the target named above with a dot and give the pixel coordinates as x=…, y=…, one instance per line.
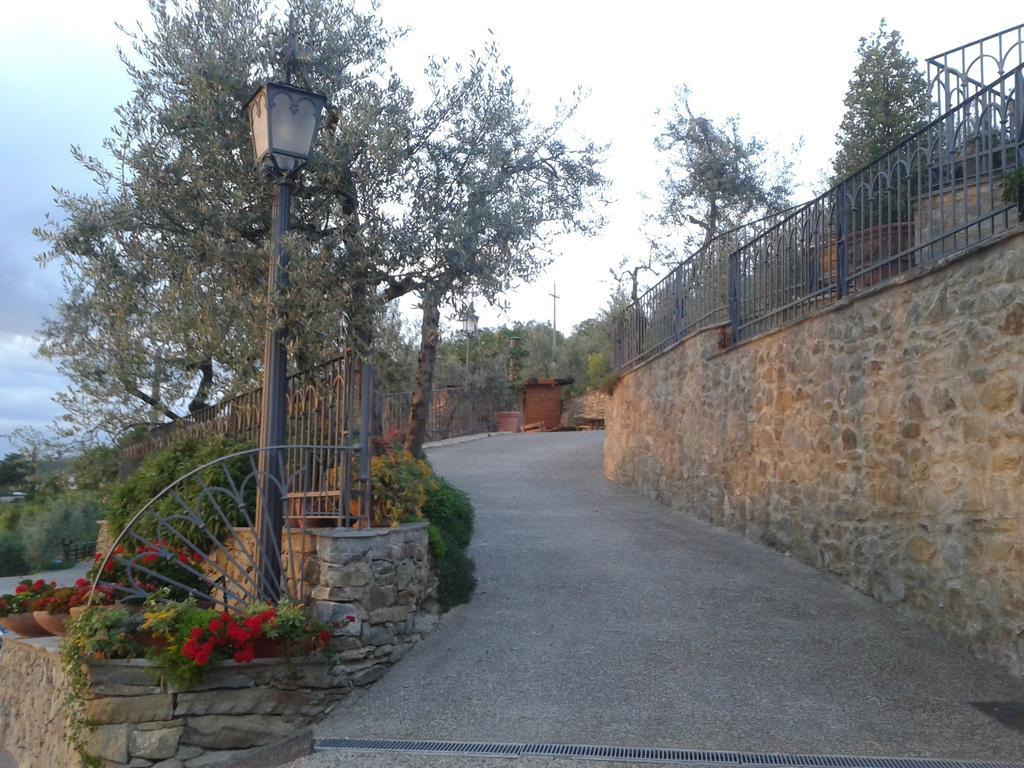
x=450, y=510
x=450, y=513
x=162, y=468
x=12, y=555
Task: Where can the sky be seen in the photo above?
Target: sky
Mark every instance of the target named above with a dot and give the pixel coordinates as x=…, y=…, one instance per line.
x=781, y=67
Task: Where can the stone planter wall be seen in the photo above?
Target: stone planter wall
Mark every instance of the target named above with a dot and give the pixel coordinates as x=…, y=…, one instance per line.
x=881, y=441
x=242, y=715
x=248, y=715
x=382, y=579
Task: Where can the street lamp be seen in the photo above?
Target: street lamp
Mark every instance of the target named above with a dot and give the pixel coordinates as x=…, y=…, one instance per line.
x=284, y=121
x=469, y=324
x=470, y=320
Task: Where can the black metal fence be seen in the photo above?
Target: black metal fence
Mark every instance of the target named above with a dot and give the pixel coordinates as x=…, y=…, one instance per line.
x=692, y=297
x=937, y=192
x=322, y=410
x=454, y=412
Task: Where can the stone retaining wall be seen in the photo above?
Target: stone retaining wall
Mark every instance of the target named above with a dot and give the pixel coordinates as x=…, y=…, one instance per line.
x=881, y=441
x=377, y=585
x=242, y=715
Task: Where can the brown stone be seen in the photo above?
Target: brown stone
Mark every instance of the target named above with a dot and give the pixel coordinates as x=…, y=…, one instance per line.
x=245, y=701
x=130, y=709
x=910, y=430
x=999, y=395
x=109, y=742
x=235, y=731
x=155, y=744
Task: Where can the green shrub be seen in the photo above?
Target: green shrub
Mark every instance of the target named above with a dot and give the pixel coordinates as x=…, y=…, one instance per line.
x=450, y=513
x=72, y=516
x=456, y=571
x=609, y=383
x=162, y=468
x=401, y=483
x=450, y=509
x=12, y=555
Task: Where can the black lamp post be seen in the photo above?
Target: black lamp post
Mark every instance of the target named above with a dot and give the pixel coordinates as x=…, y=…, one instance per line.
x=284, y=122
x=469, y=325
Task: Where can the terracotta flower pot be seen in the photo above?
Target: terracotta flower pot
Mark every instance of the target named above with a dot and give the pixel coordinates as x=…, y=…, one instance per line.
x=23, y=624
x=52, y=622
x=508, y=421
x=147, y=639
x=316, y=522
x=267, y=648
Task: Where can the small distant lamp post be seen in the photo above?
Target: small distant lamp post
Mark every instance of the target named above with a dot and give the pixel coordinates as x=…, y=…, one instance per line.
x=284, y=121
x=469, y=324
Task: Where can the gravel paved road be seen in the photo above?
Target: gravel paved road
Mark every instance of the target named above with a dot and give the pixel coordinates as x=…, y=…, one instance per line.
x=605, y=618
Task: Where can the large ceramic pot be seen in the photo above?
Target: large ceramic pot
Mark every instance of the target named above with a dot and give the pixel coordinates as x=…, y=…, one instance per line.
x=23, y=624
x=508, y=421
x=52, y=622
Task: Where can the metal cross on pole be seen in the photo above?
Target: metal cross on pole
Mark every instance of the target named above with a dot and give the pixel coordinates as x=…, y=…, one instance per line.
x=554, y=314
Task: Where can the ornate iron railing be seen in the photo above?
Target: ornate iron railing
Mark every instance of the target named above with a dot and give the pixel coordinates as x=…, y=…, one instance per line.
x=692, y=297
x=198, y=537
x=957, y=75
x=935, y=193
x=319, y=412
x=454, y=412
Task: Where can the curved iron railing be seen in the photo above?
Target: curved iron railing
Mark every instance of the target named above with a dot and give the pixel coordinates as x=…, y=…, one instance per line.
x=935, y=193
x=692, y=297
x=199, y=537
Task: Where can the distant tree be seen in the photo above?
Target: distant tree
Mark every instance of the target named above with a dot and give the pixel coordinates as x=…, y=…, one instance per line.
x=94, y=468
x=15, y=470
x=714, y=179
x=886, y=99
x=627, y=274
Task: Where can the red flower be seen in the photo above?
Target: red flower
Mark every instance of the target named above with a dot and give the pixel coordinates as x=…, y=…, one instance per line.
x=215, y=625
x=350, y=618
x=325, y=637
x=39, y=585
x=21, y=589
x=202, y=658
x=196, y=633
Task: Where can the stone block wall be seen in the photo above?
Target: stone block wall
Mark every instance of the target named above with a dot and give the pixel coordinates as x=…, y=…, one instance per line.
x=242, y=715
x=881, y=441
x=378, y=585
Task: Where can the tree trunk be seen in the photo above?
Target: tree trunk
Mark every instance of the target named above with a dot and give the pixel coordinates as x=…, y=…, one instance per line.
x=423, y=390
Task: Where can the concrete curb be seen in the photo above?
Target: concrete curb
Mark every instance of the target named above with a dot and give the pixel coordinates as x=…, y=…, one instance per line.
x=466, y=439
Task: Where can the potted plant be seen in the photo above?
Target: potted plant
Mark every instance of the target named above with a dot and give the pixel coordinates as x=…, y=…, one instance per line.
x=193, y=639
x=286, y=629
x=16, y=611
x=84, y=597
x=52, y=612
x=154, y=565
x=400, y=486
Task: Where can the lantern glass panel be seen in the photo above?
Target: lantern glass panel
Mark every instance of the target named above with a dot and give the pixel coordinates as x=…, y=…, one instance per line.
x=293, y=121
x=259, y=123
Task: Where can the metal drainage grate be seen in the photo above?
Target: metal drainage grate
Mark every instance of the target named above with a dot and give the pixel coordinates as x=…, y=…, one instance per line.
x=644, y=754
